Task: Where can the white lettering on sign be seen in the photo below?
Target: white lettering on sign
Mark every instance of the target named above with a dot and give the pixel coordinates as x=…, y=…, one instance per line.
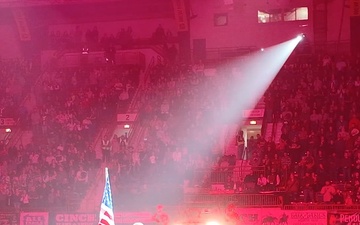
x=254, y=113
x=350, y=218
x=126, y=117
x=75, y=218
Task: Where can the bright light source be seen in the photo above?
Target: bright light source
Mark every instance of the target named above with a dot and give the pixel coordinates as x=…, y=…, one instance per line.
x=212, y=223
x=253, y=122
x=262, y=49
x=8, y=130
x=300, y=37
x=126, y=126
x=138, y=223
x=85, y=51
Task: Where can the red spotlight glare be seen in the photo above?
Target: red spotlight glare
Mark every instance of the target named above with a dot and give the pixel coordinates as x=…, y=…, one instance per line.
x=138, y=223
x=212, y=223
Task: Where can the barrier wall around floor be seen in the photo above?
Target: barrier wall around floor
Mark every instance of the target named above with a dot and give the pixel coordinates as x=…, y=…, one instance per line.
x=53, y=218
x=181, y=215
x=259, y=216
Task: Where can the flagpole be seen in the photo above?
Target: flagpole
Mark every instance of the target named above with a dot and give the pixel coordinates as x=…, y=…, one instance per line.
x=106, y=173
x=106, y=216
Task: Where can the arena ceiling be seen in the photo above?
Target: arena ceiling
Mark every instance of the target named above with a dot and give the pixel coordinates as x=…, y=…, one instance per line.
x=81, y=11
x=24, y=3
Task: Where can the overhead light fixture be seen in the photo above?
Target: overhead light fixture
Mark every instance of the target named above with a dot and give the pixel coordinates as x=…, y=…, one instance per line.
x=300, y=37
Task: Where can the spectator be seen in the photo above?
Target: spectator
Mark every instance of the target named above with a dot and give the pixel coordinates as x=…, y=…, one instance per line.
x=291, y=189
x=307, y=163
x=328, y=191
x=274, y=180
x=345, y=167
x=229, y=183
x=338, y=197
x=286, y=162
x=250, y=181
x=333, y=167
x=262, y=182
x=240, y=143
x=308, y=187
x=81, y=179
x=25, y=200
x=106, y=149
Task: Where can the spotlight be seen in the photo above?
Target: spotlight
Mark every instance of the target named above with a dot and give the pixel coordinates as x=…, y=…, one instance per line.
x=85, y=50
x=8, y=130
x=262, y=49
x=138, y=223
x=212, y=223
x=300, y=37
x=253, y=122
x=126, y=126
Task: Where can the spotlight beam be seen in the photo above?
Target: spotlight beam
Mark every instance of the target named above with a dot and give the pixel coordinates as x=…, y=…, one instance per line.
x=243, y=87
x=255, y=74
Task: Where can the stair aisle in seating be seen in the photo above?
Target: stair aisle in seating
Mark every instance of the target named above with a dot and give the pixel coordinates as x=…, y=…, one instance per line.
x=92, y=199
x=278, y=132
x=269, y=131
x=230, y=138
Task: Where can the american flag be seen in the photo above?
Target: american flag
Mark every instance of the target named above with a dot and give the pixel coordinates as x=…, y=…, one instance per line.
x=106, y=211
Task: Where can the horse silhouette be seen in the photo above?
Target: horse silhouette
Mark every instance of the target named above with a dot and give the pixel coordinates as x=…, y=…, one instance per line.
x=269, y=220
x=284, y=219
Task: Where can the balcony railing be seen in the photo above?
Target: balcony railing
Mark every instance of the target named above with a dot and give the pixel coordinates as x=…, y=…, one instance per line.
x=322, y=206
x=243, y=200
x=220, y=174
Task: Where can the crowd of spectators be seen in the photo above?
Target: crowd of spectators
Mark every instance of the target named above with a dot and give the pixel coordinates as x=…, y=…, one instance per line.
x=64, y=112
x=93, y=39
x=316, y=158
x=173, y=110
x=16, y=79
x=315, y=101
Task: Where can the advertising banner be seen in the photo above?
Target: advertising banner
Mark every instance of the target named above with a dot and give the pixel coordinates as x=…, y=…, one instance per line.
x=354, y=7
x=7, y=122
x=344, y=218
x=180, y=15
x=133, y=217
x=34, y=218
x=277, y=216
x=254, y=113
x=93, y=218
x=8, y=218
x=74, y=219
